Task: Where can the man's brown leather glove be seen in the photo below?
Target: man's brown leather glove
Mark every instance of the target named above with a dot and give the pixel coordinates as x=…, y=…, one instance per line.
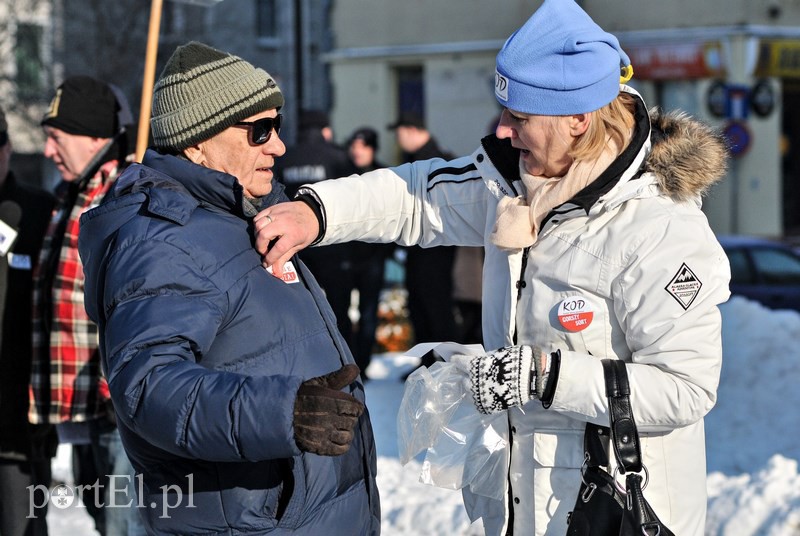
x=324, y=416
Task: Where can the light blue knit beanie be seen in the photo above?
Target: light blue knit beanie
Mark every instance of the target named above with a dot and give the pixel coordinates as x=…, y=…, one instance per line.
x=560, y=62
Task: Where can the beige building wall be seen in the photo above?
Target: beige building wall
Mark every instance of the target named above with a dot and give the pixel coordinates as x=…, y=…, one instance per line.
x=370, y=23
x=455, y=44
x=459, y=97
x=627, y=15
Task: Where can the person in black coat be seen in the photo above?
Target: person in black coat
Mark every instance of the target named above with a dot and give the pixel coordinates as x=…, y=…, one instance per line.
x=25, y=449
x=360, y=267
x=312, y=159
x=428, y=271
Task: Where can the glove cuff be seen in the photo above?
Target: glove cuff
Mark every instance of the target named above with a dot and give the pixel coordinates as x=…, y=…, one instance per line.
x=502, y=379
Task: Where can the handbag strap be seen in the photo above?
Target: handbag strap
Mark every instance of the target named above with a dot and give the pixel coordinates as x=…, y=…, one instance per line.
x=624, y=436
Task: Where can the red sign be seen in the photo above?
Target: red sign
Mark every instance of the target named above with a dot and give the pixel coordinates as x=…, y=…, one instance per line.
x=675, y=61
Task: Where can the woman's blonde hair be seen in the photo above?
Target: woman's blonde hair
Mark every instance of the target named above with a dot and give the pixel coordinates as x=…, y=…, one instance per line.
x=615, y=119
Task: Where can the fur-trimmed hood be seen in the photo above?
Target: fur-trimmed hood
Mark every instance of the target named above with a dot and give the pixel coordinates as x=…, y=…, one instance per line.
x=687, y=156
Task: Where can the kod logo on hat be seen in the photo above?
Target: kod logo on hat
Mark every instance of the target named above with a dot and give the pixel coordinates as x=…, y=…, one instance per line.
x=500, y=86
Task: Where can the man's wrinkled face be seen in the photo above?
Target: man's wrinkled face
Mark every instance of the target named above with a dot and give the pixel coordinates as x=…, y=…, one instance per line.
x=71, y=153
x=232, y=151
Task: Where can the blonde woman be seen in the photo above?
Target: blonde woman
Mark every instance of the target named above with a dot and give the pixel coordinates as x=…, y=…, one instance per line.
x=588, y=209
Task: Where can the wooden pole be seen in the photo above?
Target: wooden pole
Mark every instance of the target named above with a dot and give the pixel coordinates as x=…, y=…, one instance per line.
x=149, y=78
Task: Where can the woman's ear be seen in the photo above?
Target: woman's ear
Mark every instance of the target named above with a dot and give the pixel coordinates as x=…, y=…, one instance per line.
x=579, y=123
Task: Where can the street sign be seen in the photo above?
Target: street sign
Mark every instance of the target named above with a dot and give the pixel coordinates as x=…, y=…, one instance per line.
x=762, y=98
x=717, y=98
x=738, y=102
x=738, y=136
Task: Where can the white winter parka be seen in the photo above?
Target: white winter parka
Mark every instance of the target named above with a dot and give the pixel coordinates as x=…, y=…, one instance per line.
x=633, y=252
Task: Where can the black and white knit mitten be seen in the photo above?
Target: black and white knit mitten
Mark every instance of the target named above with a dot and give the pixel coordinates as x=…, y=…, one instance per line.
x=504, y=378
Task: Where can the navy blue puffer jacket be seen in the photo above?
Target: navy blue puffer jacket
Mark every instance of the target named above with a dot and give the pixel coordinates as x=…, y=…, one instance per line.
x=204, y=351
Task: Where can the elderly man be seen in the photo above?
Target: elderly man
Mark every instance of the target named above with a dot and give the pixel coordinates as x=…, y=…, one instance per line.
x=235, y=394
x=85, y=129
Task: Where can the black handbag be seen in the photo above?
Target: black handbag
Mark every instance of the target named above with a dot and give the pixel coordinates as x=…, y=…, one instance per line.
x=602, y=507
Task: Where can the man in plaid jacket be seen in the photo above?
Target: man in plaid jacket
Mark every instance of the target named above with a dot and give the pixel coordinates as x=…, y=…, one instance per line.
x=86, y=138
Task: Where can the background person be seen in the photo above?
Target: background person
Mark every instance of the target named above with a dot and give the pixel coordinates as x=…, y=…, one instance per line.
x=362, y=148
x=229, y=383
x=25, y=450
x=588, y=209
x=428, y=271
x=86, y=138
x=360, y=267
x=467, y=294
x=315, y=157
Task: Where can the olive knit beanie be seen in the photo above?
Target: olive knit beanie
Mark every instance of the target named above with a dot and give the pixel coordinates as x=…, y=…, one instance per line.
x=202, y=91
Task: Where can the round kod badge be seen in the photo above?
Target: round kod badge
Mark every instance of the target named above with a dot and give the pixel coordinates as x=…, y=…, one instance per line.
x=575, y=313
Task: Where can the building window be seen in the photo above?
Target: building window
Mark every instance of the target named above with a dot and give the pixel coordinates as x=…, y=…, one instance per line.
x=410, y=90
x=266, y=20
x=30, y=67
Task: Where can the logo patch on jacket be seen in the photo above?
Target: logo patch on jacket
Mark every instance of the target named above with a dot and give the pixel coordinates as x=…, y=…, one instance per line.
x=684, y=286
x=575, y=313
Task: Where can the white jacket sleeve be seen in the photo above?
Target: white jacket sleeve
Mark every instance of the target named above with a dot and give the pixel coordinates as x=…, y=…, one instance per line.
x=429, y=202
x=675, y=335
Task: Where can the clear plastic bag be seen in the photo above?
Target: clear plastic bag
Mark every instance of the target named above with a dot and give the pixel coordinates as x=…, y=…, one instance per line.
x=437, y=415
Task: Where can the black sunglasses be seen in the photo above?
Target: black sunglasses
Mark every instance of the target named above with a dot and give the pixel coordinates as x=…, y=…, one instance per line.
x=261, y=130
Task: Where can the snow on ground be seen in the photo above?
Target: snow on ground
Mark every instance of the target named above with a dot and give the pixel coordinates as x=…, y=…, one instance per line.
x=753, y=440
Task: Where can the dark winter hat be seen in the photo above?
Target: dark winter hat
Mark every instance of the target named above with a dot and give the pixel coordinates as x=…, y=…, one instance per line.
x=560, y=63
x=408, y=119
x=84, y=106
x=202, y=91
x=368, y=135
x=313, y=119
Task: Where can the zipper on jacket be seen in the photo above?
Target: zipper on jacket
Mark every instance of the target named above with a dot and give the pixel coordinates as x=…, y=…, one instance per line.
x=510, y=498
x=521, y=284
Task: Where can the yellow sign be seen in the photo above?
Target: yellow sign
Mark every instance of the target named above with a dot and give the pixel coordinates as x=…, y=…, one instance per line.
x=779, y=58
